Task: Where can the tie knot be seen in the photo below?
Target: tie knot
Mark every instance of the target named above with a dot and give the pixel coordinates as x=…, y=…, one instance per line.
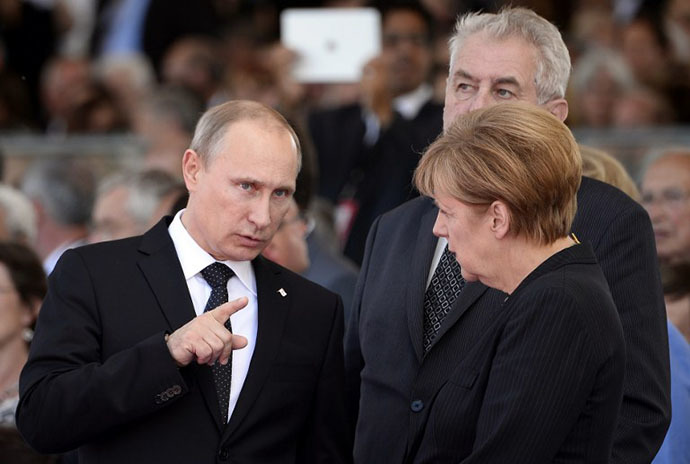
x=217, y=274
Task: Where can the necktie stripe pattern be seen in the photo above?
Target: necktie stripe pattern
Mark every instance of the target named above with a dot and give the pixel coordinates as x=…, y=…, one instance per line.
x=217, y=276
x=444, y=288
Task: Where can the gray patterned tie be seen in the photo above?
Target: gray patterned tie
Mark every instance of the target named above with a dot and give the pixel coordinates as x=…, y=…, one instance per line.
x=217, y=276
x=444, y=288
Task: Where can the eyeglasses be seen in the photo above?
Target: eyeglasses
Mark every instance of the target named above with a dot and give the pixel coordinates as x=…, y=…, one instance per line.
x=672, y=198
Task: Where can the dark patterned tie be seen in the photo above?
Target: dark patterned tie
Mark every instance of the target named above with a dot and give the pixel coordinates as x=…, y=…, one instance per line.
x=444, y=288
x=217, y=276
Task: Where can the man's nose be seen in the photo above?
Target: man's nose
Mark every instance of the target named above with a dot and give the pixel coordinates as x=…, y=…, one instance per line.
x=260, y=212
x=481, y=99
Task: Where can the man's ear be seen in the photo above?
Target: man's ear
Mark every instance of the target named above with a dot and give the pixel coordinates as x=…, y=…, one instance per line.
x=558, y=107
x=192, y=165
x=499, y=215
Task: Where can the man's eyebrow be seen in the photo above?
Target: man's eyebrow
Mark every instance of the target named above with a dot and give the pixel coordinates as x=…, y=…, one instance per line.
x=507, y=80
x=464, y=74
x=461, y=73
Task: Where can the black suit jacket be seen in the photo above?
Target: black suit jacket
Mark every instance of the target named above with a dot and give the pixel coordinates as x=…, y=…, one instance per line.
x=542, y=383
x=378, y=177
x=100, y=376
x=384, y=338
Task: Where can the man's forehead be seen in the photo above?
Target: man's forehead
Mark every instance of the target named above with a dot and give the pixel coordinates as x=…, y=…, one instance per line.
x=511, y=48
x=483, y=57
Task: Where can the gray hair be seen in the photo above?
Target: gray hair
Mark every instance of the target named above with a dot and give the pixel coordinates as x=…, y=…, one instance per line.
x=212, y=127
x=656, y=154
x=146, y=191
x=177, y=105
x=19, y=214
x=553, y=60
x=63, y=187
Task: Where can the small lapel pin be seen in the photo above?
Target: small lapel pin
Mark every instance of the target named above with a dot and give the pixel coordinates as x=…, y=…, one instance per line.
x=282, y=292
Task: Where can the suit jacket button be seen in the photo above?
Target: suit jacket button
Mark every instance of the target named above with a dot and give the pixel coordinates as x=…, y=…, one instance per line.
x=417, y=405
x=158, y=399
x=176, y=389
x=164, y=396
x=223, y=454
x=170, y=392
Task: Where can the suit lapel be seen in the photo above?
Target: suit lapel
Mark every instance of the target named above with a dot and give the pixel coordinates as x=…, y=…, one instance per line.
x=162, y=270
x=425, y=244
x=273, y=307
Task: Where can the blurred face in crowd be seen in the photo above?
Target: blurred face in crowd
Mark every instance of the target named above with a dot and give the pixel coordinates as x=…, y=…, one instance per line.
x=15, y=315
x=487, y=72
x=406, y=50
x=111, y=220
x=666, y=196
x=239, y=196
x=643, y=52
x=4, y=233
x=289, y=245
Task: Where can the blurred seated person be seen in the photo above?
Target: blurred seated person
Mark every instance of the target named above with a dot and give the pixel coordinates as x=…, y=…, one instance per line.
x=22, y=288
x=166, y=121
x=666, y=197
x=193, y=62
x=288, y=247
x=64, y=83
x=676, y=447
x=599, y=165
x=129, y=204
x=328, y=266
x=649, y=53
x=17, y=216
x=642, y=107
x=367, y=151
x=542, y=380
x=62, y=193
x=599, y=77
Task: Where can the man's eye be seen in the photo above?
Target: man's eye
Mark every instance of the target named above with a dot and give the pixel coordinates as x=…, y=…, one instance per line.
x=464, y=87
x=281, y=193
x=503, y=93
x=246, y=186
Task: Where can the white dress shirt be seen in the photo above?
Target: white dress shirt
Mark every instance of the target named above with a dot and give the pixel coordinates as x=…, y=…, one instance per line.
x=438, y=253
x=408, y=105
x=244, y=322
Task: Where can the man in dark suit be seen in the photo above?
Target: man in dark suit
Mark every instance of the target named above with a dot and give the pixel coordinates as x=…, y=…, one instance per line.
x=367, y=151
x=410, y=324
x=134, y=359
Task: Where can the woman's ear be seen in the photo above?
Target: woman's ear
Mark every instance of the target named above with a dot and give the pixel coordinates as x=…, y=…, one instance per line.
x=499, y=215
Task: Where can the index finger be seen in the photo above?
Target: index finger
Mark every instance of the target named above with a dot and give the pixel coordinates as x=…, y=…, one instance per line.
x=224, y=311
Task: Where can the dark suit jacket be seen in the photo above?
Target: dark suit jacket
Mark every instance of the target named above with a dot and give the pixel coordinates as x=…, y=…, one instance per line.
x=331, y=269
x=542, y=383
x=379, y=177
x=384, y=337
x=100, y=376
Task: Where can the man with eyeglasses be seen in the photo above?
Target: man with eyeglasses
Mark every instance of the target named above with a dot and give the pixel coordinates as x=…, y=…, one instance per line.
x=367, y=151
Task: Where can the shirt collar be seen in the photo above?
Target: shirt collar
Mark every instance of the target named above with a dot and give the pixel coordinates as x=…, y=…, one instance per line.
x=409, y=104
x=193, y=258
